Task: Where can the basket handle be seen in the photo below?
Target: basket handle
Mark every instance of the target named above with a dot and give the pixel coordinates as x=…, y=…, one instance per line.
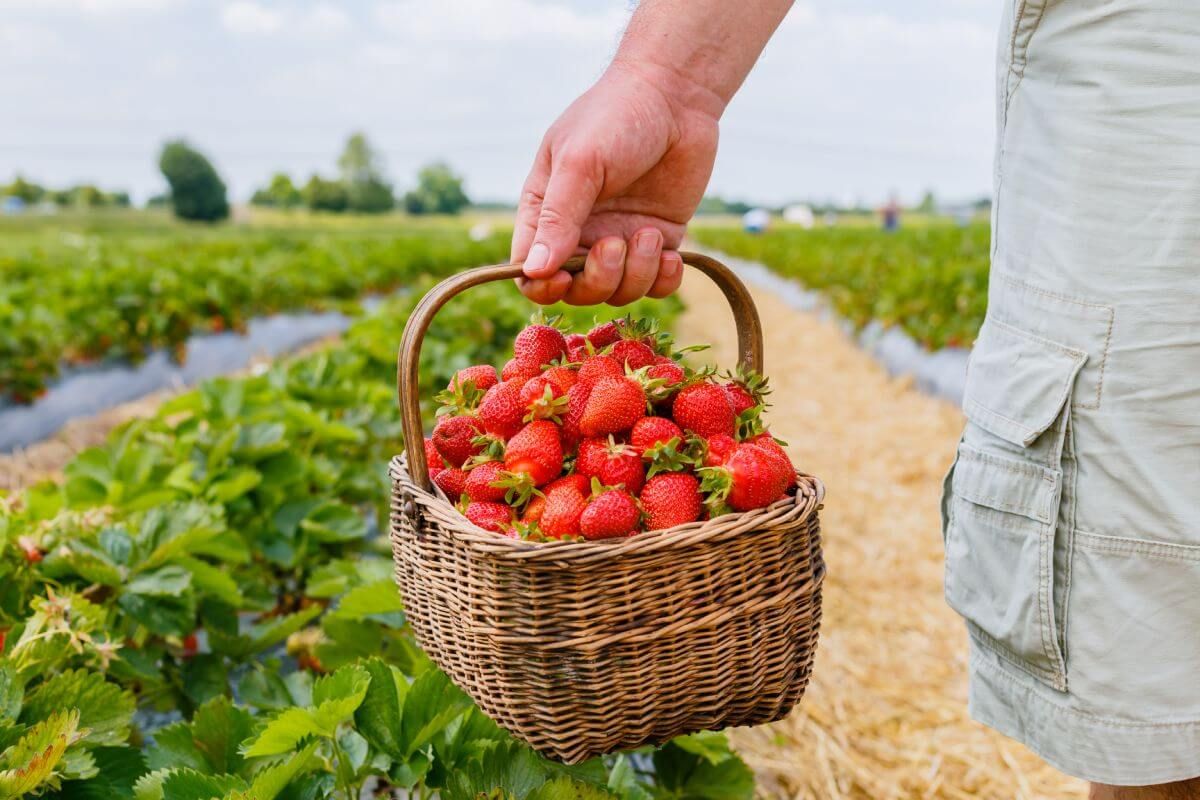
x=745, y=315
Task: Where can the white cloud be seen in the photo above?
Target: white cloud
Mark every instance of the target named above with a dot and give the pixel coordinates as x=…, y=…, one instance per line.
x=248, y=17
x=478, y=21
x=95, y=7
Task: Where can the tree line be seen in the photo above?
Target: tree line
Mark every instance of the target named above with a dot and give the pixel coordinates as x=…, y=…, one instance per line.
x=82, y=195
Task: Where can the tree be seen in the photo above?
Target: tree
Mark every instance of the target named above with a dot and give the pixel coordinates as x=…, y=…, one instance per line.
x=280, y=193
x=362, y=173
x=197, y=191
x=322, y=195
x=439, y=191
x=28, y=192
x=928, y=203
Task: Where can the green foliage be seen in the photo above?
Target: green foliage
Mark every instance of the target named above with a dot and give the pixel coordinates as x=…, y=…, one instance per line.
x=931, y=281
x=197, y=191
x=325, y=195
x=439, y=191
x=279, y=193
x=367, y=191
x=220, y=559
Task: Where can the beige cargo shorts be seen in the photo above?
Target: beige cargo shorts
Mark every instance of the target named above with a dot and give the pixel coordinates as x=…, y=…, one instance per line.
x=1071, y=515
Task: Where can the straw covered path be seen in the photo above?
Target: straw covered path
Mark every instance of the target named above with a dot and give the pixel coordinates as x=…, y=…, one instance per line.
x=885, y=715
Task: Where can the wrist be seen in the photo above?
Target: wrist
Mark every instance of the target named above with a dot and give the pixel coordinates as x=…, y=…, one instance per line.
x=679, y=89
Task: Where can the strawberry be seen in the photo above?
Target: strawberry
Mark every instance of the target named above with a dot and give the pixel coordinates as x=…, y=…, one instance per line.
x=566, y=500
x=649, y=431
x=611, y=514
x=614, y=405
x=483, y=376
x=30, y=550
x=632, y=353
x=597, y=367
x=603, y=335
x=661, y=359
x=671, y=499
x=577, y=397
x=575, y=340
x=750, y=478
x=454, y=438
x=562, y=377
x=592, y=455
x=540, y=398
x=704, y=409
x=489, y=516
x=739, y=397
x=668, y=372
x=717, y=448
x=520, y=371
x=622, y=466
x=501, y=412
x=480, y=479
x=577, y=355
x=534, y=510
x=768, y=443
x=433, y=459
x=539, y=345
x=452, y=481
x=536, y=451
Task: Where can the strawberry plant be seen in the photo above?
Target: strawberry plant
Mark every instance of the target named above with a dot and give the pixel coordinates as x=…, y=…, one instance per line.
x=203, y=607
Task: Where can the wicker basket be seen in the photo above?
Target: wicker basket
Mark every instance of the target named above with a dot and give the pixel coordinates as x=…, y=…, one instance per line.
x=586, y=648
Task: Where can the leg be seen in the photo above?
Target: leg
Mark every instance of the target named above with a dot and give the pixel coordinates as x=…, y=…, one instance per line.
x=1181, y=790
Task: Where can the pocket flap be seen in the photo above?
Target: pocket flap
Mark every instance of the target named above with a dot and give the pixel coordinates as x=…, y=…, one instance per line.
x=1017, y=383
x=1005, y=484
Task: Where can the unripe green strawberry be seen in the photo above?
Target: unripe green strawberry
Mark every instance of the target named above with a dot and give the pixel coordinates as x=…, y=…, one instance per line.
x=495, y=517
x=454, y=438
x=671, y=499
x=501, y=413
x=536, y=451
x=704, y=409
x=614, y=405
x=611, y=514
x=480, y=478
x=452, y=481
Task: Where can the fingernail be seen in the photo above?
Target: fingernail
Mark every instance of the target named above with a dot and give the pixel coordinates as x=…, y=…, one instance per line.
x=670, y=267
x=648, y=243
x=613, y=253
x=539, y=256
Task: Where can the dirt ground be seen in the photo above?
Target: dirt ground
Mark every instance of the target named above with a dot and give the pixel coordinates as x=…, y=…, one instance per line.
x=885, y=715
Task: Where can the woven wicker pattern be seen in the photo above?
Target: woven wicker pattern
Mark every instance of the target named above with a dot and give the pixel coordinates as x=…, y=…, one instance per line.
x=586, y=648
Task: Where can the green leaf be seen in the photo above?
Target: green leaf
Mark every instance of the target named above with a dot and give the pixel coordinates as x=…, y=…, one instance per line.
x=204, y=677
x=334, y=522
x=186, y=784
x=169, y=581
x=337, y=696
x=117, y=770
x=378, y=718
x=713, y=747
x=32, y=761
x=623, y=780
x=431, y=704
x=379, y=601
x=512, y=769
x=283, y=732
x=105, y=709
x=232, y=484
x=213, y=581
x=686, y=774
x=262, y=635
x=175, y=747
x=271, y=781
x=12, y=692
x=564, y=788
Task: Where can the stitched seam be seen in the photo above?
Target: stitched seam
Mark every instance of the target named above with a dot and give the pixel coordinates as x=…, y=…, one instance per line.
x=986, y=640
x=1012, y=465
x=1116, y=545
x=998, y=504
x=975, y=405
x=1020, y=333
x=980, y=663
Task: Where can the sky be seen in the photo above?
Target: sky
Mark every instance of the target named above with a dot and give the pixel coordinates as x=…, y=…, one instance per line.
x=853, y=100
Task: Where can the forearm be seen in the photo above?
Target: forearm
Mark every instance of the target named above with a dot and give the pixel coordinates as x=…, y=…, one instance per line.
x=700, y=51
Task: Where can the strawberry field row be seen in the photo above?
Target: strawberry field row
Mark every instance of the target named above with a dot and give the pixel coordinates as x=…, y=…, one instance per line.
x=931, y=281
x=77, y=298
x=222, y=560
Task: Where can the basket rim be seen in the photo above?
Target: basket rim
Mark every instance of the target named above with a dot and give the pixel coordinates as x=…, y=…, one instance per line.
x=793, y=510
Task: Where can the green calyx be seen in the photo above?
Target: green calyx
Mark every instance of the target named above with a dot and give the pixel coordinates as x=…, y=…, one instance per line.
x=715, y=485
x=519, y=486
x=462, y=398
x=548, y=406
x=493, y=447
x=669, y=456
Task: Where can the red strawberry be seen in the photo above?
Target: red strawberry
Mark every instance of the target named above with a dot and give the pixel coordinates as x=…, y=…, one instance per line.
x=501, y=412
x=29, y=548
x=576, y=403
x=604, y=334
x=489, y=516
x=591, y=458
x=669, y=372
x=520, y=371
x=703, y=408
x=633, y=353
x=622, y=466
x=765, y=441
x=717, y=449
x=454, y=439
x=562, y=377
x=597, y=367
x=577, y=355
x=539, y=345
x=613, y=406
x=483, y=376
x=566, y=500
x=536, y=451
x=739, y=397
x=433, y=459
x=649, y=431
x=611, y=514
x=750, y=478
x=534, y=510
x=661, y=359
x=452, y=481
x=575, y=340
x=671, y=499
x=480, y=479
x=540, y=399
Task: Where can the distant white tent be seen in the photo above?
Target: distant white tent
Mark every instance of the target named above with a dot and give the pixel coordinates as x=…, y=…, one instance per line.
x=756, y=220
x=800, y=215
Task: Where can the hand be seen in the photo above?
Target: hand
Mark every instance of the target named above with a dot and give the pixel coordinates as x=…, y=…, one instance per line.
x=618, y=174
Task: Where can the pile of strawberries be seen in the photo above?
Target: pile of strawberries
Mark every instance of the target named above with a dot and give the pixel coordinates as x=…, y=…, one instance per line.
x=602, y=435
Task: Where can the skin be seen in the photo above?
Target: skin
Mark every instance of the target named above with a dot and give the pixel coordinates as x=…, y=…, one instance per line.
x=623, y=169
x=620, y=173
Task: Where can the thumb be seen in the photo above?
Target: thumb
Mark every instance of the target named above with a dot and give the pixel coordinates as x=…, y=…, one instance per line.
x=571, y=193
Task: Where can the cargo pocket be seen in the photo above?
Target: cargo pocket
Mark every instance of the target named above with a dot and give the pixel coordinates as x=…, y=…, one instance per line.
x=1002, y=496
